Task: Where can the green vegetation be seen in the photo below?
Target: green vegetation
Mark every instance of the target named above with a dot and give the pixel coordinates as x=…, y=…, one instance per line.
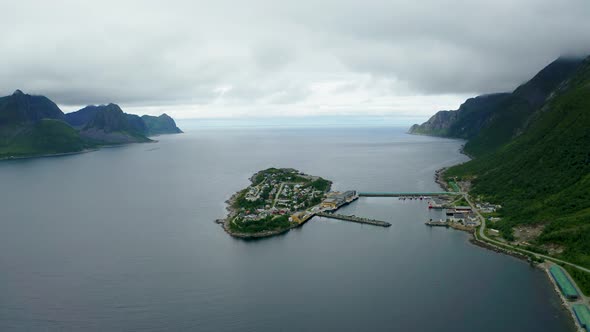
x=461, y=202
x=269, y=223
x=489, y=122
x=581, y=278
x=454, y=186
x=34, y=125
x=242, y=203
x=321, y=184
x=162, y=124
x=543, y=176
x=45, y=137
x=536, y=249
x=280, y=175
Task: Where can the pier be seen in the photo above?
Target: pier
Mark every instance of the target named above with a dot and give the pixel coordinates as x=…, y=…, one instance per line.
x=406, y=194
x=356, y=219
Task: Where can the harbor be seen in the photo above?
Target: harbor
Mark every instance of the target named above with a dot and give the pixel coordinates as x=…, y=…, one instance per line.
x=354, y=218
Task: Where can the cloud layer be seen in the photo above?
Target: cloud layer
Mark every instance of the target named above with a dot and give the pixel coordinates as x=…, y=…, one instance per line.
x=265, y=58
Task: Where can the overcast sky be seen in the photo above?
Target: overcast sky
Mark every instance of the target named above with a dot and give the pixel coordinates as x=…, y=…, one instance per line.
x=255, y=58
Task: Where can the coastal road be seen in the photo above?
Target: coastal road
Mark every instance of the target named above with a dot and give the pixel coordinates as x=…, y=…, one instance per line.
x=483, y=236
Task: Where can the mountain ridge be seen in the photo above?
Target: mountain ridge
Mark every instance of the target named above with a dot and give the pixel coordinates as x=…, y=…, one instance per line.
x=541, y=175
x=495, y=119
x=32, y=125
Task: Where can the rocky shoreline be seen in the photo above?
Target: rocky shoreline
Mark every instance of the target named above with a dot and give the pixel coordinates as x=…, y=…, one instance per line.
x=439, y=179
x=62, y=154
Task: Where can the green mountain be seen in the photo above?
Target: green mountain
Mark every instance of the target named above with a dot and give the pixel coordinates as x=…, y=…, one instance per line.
x=20, y=108
x=146, y=125
x=466, y=122
x=109, y=124
x=34, y=125
x=490, y=121
x=540, y=175
x=158, y=125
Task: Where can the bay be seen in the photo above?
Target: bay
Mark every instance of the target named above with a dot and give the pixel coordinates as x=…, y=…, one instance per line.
x=123, y=239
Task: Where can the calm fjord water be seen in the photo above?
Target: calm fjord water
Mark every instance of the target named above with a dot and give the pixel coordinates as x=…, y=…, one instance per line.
x=124, y=239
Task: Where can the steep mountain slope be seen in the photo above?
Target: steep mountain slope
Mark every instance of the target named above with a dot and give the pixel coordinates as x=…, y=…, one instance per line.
x=146, y=125
x=81, y=117
x=543, y=175
x=111, y=125
x=490, y=121
x=162, y=124
x=32, y=125
x=465, y=122
x=20, y=108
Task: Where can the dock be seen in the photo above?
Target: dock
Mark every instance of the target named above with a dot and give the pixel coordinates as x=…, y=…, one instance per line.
x=356, y=219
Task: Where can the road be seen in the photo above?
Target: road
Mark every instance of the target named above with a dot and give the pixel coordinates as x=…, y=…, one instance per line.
x=483, y=236
x=278, y=194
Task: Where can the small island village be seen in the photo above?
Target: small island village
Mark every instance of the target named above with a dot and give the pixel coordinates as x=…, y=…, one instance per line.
x=283, y=198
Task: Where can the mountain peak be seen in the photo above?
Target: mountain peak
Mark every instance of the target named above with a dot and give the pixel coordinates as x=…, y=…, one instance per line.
x=17, y=93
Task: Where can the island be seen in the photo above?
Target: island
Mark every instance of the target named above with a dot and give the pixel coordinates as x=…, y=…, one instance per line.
x=279, y=199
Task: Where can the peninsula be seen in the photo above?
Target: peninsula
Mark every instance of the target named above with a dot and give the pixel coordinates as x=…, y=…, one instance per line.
x=34, y=126
x=278, y=200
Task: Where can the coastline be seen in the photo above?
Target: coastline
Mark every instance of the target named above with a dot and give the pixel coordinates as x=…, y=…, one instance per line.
x=245, y=236
x=225, y=222
x=49, y=155
x=61, y=154
x=439, y=179
x=564, y=302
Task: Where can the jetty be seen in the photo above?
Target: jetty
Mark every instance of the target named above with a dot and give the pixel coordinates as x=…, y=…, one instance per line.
x=406, y=194
x=353, y=218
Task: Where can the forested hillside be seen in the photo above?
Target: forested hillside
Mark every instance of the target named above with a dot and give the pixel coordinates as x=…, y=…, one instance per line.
x=543, y=175
x=490, y=121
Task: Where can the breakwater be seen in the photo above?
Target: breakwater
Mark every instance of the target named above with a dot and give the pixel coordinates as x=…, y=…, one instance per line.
x=356, y=219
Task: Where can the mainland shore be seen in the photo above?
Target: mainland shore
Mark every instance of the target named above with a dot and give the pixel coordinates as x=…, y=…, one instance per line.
x=544, y=266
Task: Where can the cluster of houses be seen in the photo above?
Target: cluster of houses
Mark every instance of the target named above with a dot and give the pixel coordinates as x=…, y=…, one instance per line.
x=253, y=193
x=487, y=207
x=278, y=197
x=462, y=214
x=297, y=197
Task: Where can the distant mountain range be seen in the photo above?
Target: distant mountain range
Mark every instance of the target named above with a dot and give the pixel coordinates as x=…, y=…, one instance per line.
x=531, y=152
x=34, y=125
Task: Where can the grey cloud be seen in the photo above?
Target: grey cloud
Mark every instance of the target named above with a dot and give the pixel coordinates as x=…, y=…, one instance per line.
x=144, y=53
